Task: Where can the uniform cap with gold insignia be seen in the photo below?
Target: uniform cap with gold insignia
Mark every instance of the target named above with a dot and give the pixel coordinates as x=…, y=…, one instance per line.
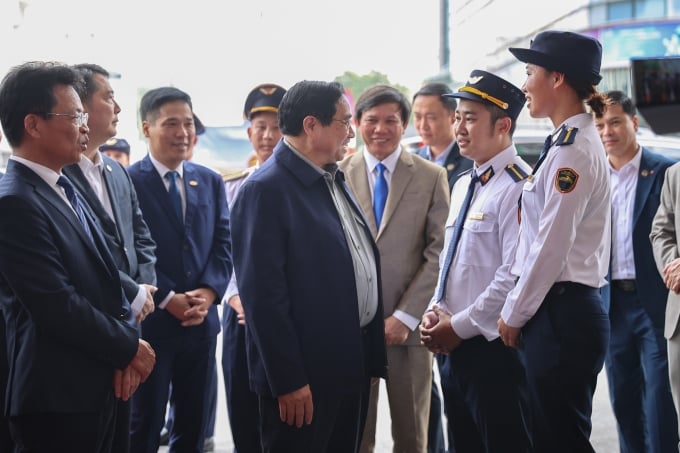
x=116, y=144
x=573, y=54
x=263, y=98
x=488, y=88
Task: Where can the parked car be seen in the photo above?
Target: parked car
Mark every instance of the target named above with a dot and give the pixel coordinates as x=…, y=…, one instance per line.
x=529, y=142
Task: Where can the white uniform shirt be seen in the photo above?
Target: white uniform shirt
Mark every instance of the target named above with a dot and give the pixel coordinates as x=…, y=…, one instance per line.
x=564, y=235
x=93, y=172
x=624, y=184
x=479, y=278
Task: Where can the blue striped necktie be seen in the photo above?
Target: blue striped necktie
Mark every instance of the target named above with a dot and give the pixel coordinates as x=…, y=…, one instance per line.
x=379, y=195
x=455, y=237
x=75, y=203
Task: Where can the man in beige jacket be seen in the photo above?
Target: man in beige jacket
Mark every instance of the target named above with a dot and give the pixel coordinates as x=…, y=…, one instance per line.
x=406, y=200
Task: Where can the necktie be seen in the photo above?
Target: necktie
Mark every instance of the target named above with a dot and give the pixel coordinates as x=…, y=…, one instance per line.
x=546, y=146
x=379, y=194
x=75, y=203
x=455, y=237
x=173, y=193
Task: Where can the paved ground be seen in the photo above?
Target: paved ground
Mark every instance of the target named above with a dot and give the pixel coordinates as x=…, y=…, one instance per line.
x=604, y=437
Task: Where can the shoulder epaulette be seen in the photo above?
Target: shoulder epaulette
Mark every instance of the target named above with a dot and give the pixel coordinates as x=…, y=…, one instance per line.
x=516, y=173
x=566, y=136
x=234, y=176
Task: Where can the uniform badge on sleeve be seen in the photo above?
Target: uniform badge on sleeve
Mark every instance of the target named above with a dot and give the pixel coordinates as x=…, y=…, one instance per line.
x=565, y=180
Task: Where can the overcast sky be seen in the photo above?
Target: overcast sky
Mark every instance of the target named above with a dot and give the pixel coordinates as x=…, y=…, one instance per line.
x=217, y=50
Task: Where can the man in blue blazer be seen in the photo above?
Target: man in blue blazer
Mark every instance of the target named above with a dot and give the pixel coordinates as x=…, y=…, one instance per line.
x=636, y=361
x=314, y=329
x=184, y=205
x=6, y=443
x=72, y=344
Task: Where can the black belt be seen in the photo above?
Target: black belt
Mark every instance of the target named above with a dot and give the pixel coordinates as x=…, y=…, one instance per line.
x=627, y=285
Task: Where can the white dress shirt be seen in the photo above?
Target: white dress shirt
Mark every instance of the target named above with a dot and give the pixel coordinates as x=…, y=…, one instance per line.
x=564, y=237
x=479, y=278
x=390, y=163
x=624, y=183
x=93, y=172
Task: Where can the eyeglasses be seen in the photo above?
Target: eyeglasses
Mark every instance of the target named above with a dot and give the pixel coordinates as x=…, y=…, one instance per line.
x=346, y=122
x=80, y=117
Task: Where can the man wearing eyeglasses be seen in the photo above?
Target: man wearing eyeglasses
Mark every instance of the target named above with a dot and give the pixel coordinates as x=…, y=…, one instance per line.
x=406, y=201
x=73, y=346
x=315, y=326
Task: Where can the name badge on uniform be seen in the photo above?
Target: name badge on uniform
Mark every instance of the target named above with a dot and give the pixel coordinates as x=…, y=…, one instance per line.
x=476, y=216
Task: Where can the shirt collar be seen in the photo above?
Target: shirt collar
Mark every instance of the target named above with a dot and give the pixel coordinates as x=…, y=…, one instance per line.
x=86, y=165
x=162, y=169
x=634, y=163
x=390, y=162
x=46, y=174
x=498, y=161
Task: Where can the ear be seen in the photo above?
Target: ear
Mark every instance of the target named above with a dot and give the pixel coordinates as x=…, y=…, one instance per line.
x=557, y=78
x=309, y=123
x=636, y=122
x=33, y=125
x=504, y=124
x=145, y=128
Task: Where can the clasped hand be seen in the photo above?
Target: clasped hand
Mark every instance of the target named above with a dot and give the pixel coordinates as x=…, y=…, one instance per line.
x=436, y=332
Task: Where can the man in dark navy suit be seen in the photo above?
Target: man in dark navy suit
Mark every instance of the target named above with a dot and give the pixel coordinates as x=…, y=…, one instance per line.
x=6, y=443
x=433, y=116
x=636, y=361
x=184, y=205
x=108, y=191
x=314, y=331
x=72, y=344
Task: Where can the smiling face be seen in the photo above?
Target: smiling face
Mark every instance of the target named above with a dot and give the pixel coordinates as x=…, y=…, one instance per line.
x=478, y=137
x=171, y=133
x=539, y=91
x=618, y=130
x=264, y=134
x=382, y=129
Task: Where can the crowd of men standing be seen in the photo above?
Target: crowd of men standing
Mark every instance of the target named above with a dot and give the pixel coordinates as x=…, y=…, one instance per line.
x=335, y=271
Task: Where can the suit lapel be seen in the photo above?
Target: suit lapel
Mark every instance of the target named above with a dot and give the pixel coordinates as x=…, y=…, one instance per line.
x=79, y=180
x=111, y=185
x=358, y=175
x=401, y=178
x=646, y=176
x=48, y=194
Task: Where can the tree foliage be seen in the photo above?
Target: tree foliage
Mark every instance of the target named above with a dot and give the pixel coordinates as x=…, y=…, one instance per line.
x=356, y=84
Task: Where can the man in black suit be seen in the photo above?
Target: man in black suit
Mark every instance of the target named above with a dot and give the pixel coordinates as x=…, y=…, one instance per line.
x=106, y=187
x=72, y=345
x=6, y=443
x=433, y=117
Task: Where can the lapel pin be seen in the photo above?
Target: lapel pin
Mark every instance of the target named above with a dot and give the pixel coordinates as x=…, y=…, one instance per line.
x=108, y=167
x=450, y=167
x=193, y=183
x=644, y=173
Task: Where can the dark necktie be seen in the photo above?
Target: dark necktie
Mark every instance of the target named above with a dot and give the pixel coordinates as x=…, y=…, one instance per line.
x=75, y=203
x=544, y=152
x=379, y=194
x=173, y=193
x=455, y=237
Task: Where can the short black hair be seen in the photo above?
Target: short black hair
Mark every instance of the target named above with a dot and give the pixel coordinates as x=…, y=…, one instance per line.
x=29, y=88
x=153, y=100
x=308, y=98
x=438, y=89
x=383, y=94
x=88, y=71
x=616, y=97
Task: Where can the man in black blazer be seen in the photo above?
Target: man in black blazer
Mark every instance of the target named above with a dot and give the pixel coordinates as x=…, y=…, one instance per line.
x=6, y=443
x=107, y=188
x=314, y=330
x=72, y=345
x=433, y=117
